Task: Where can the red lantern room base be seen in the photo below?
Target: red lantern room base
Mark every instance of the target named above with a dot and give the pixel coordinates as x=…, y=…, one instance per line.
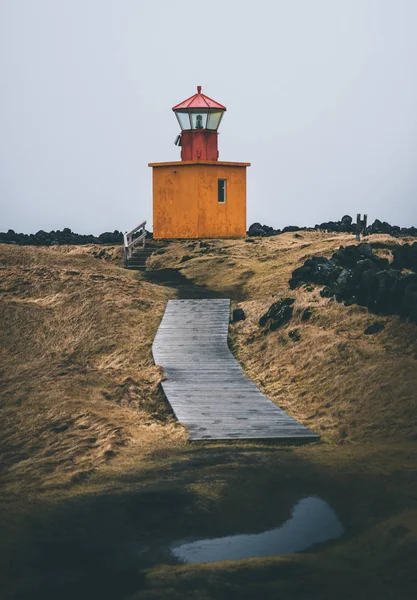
x=199, y=145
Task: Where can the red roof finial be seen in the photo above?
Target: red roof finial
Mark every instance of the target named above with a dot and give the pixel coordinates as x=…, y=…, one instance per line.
x=199, y=89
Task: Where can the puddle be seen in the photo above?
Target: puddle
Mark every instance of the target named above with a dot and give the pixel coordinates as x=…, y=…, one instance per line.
x=312, y=522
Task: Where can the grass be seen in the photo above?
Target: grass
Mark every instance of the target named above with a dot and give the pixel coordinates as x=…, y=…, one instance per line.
x=97, y=475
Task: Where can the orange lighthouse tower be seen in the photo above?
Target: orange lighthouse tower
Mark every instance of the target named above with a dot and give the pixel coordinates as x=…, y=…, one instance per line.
x=199, y=196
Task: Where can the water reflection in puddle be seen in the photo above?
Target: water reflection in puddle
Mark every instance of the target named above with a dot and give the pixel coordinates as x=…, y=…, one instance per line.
x=312, y=522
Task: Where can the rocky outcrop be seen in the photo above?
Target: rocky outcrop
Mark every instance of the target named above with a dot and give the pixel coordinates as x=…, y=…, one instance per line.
x=55, y=238
x=345, y=225
x=354, y=275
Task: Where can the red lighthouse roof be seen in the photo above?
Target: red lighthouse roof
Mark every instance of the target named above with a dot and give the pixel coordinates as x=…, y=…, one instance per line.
x=199, y=100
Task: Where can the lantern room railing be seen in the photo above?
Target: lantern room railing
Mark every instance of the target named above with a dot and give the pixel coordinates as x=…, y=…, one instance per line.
x=130, y=242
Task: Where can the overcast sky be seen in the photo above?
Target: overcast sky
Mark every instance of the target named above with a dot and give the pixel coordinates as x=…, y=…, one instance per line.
x=321, y=98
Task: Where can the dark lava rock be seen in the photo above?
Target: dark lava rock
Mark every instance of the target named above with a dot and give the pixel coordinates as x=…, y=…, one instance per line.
x=327, y=292
x=327, y=271
x=291, y=228
x=319, y=270
x=355, y=275
x=294, y=335
x=346, y=220
x=380, y=227
x=405, y=257
x=282, y=317
x=256, y=230
x=238, y=315
x=376, y=327
x=306, y=314
x=55, y=238
x=278, y=313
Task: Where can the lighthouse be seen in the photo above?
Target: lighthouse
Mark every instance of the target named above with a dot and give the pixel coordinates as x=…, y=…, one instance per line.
x=199, y=196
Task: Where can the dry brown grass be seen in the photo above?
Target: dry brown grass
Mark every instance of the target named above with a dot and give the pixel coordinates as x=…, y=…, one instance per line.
x=341, y=383
x=79, y=386
x=92, y=458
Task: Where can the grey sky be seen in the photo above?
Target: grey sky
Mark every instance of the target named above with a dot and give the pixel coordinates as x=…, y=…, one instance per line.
x=321, y=98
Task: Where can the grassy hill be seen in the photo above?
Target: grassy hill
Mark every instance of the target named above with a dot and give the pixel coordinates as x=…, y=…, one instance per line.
x=97, y=475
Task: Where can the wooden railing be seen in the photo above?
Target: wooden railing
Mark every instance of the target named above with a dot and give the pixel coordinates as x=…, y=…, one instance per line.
x=131, y=243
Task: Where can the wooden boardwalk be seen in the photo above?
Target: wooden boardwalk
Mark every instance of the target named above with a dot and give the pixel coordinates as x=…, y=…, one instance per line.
x=204, y=384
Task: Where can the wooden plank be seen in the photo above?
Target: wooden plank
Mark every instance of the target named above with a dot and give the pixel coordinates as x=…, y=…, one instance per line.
x=206, y=387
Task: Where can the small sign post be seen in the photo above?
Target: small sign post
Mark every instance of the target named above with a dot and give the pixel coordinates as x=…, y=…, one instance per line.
x=361, y=226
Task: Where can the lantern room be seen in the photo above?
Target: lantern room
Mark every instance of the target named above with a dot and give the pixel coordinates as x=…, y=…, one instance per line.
x=199, y=118
x=199, y=196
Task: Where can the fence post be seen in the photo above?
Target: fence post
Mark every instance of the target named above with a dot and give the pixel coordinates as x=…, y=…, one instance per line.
x=358, y=227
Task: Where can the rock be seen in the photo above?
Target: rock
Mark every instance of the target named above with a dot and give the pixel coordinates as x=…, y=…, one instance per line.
x=238, y=315
x=278, y=313
x=291, y=228
x=282, y=317
x=319, y=270
x=269, y=230
x=306, y=314
x=376, y=327
x=351, y=301
x=327, y=292
x=54, y=238
x=355, y=275
x=405, y=257
x=256, y=230
x=365, y=249
x=294, y=335
x=380, y=227
x=344, y=281
x=329, y=226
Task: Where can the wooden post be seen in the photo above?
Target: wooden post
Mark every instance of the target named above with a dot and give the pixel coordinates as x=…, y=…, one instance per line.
x=365, y=225
x=358, y=227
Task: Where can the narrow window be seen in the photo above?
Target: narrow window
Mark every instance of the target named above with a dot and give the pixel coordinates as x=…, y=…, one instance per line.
x=221, y=197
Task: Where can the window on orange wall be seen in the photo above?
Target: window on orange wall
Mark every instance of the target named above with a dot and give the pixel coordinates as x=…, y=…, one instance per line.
x=221, y=190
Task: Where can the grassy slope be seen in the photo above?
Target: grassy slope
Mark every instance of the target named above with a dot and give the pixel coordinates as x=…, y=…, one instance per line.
x=336, y=380
x=88, y=440
x=78, y=379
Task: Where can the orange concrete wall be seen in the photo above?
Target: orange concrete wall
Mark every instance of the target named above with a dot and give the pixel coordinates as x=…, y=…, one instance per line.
x=185, y=203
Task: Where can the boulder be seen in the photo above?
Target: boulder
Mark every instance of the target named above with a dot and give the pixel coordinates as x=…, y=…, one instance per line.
x=376, y=327
x=306, y=314
x=256, y=230
x=278, y=314
x=291, y=228
x=320, y=270
x=405, y=257
x=238, y=315
x=294, y=335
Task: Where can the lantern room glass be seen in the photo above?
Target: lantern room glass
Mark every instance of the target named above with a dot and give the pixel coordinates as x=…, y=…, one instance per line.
x=199, y=118
x=183, y=119
x=214, y=119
